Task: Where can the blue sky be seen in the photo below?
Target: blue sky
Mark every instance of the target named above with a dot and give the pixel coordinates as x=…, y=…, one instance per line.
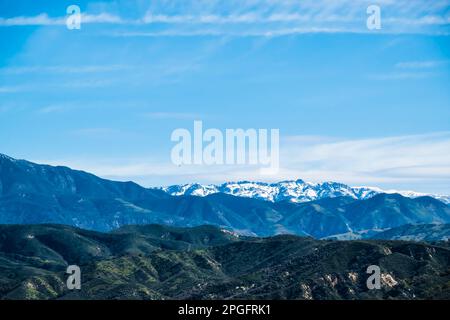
x=360, y=106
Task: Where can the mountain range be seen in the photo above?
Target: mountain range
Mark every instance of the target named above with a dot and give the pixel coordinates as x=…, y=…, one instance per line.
x=34, y=194
x=205, y=262
x=133, y=242
x=294, y=191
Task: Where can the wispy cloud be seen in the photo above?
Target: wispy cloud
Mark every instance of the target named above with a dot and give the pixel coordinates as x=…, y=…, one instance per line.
x=14, y=88
x=236, y=33
x=388, y=161
x=69, y=84
x=245, y=18
x=39, y=20
x=412, y=70
x=8, y=89
x=391, y=159
x=421, y=64
x=264, y=18
x=54, y=108
x=64, y=69
x=428, y=20
x=96, y=76
x=44, y=20
x=172, y=116
x=252, y=18
x=402, y=76
x=50, y=109
x=95, y=132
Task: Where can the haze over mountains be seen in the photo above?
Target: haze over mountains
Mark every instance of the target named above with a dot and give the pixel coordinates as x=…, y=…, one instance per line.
x=35, y=194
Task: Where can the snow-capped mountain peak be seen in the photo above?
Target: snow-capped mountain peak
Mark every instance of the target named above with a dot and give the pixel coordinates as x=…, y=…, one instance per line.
x=193, y=189
x=290, y=190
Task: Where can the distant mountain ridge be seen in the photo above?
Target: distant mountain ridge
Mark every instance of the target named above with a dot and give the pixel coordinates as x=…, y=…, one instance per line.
x=35, y=194
x=293, y=190
x=422, y=232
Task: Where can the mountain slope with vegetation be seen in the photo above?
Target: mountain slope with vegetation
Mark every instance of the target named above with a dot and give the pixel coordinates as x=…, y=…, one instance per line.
x=160, y=262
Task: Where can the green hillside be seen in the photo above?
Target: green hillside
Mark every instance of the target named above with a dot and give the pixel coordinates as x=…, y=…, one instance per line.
x=159, y=262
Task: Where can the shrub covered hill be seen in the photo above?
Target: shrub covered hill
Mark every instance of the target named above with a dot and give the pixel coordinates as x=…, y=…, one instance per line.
x=206, y=262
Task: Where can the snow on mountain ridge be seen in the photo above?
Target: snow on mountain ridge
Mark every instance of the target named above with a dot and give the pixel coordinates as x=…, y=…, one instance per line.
x=294, y=191
x=4, y=156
